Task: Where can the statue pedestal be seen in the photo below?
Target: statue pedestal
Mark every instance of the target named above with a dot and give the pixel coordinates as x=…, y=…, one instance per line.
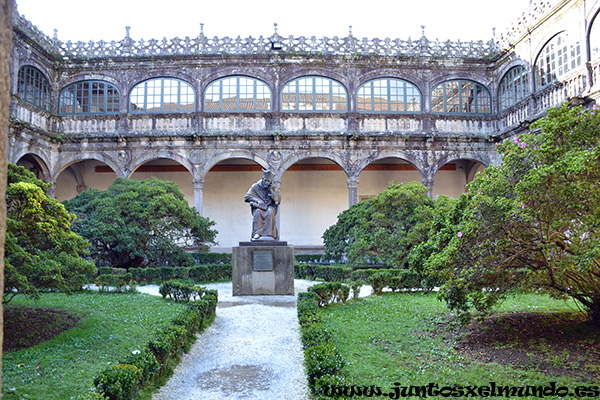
x=263, y=268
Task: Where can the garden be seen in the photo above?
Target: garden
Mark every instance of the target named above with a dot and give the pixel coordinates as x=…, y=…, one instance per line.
x=496, y=290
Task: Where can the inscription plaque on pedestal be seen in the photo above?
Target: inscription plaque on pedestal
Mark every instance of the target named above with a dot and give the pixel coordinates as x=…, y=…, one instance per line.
x=263, y=260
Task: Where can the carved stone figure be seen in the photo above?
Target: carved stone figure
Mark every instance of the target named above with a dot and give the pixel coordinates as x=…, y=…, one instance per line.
x=264, y=199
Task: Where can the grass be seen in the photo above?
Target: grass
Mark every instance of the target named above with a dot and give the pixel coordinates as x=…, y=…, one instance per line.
x=403, y=338
x=112, y=326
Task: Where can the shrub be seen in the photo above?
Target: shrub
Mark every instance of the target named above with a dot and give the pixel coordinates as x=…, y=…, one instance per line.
x=356, y=285
x=212, y=258
x=146, y=362
x=315, y=334
x=307, y=308
x=119, y=382
x=322, y=359
x=167, y=342
x=93, y=394
x=179, y=291
x=328, y=292
x=118, y=283
x=379, y=281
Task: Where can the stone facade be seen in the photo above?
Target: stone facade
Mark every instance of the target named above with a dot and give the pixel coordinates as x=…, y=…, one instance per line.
x=443, y=150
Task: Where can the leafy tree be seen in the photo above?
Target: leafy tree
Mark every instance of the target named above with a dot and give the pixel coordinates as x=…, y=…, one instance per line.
x=382, y=229
x=140, y=223
x=530, y=223
x=41, y=251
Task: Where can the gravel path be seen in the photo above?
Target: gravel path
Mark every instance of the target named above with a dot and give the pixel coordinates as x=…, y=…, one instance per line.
x=252, y=351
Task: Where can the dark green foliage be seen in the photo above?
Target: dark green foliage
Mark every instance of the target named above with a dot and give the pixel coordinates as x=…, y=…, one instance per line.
x=379, y=281
x=92, y=395
x=384, y=229
x=308, y=309
x=41, y=251
x=315, y=334
x=322, y=359
x=179, y=291
x=324, y=272
x=212, y=258
x=531, y=223
x=310, y=258
x=139, y=223
x=118, y=283
x=145, y=361
x=119, y=382
x=329, y=292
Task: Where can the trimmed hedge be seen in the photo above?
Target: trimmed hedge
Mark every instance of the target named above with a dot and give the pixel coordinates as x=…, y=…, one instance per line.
x=140, y=369
x=199, y=273
x=321, y=356
x=179, y=291
x=395, y=279
x=212, y=258
x=330, y=292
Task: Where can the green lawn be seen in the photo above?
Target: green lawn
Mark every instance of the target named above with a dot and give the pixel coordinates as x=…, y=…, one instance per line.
x=402, y=338
x=64, y=367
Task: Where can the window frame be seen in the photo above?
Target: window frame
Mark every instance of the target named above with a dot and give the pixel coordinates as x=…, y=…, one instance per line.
x=256, y=85
x=313, y=95
x=558, y=62
x=406, y=85
x=514, y=86
x=41, y=95
x=89, y=90
x=477, y=88
x=164, y=91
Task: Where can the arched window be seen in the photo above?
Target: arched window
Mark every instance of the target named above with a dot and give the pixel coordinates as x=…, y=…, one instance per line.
x=237, y=94
x=558, y=57
x=162, y=95
x=594, y=39
x=388, y=95
x=89, y=97
x=34, y=88
x=513, y=87
x=314, y=93
x=460, y=97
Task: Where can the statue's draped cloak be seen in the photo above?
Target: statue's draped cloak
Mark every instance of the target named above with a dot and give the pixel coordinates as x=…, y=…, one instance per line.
x=263, y=221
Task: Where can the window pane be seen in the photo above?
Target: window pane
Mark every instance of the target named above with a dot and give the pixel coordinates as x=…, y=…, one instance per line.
x=237, y=94
x=460, y=97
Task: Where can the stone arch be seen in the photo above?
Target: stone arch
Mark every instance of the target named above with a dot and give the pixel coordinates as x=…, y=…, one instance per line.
x=80, y=77
x=254, y=73
x=419, y=82
x=40, y=166
x=305, y=155
x=320, y=72
x=593, y=26
x=71, y=159
x=377, y=172
x=225, y=180
x=226, y=155
x=455, y=179
x=156, y=154
x=314, y=191
x=408, y=157
x=78, y=173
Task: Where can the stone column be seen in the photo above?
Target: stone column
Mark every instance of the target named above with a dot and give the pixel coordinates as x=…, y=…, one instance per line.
x=198, y=187
x=352, y=190
x=428, y=182
x=52, y=190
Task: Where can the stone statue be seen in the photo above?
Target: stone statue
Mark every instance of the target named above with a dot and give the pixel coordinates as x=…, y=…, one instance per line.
x=264, y=199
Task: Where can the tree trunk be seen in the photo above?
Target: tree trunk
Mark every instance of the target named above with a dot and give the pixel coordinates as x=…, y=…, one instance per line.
x=6, y=13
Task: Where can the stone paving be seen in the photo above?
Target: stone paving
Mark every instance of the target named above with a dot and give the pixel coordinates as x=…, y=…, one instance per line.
x=252, y=351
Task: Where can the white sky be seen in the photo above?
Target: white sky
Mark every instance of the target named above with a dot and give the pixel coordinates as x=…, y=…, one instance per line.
x=154, y=19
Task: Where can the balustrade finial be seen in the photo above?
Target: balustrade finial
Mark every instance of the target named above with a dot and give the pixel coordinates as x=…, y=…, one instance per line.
x=275, y=25
x=423, y=30
x=201, y=29
x=350, y=34
x=127, y=29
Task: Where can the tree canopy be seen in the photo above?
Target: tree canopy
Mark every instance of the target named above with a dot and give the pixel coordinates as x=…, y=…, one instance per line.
x=41, y=251
x=384, y=228
x=530, y=223
x=140, y=223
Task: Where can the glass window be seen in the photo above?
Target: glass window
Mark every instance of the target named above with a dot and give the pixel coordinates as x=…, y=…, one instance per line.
x=314, y=93
x=460, y=97
x=237, y=94
x=595, y=39
x=162, y=95
x=34, y=88
x=513, y=87
x=89, y=97
x=388, y=95
x=558, y=57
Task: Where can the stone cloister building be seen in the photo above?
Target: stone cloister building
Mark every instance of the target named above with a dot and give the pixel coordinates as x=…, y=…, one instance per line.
x=336, y=119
